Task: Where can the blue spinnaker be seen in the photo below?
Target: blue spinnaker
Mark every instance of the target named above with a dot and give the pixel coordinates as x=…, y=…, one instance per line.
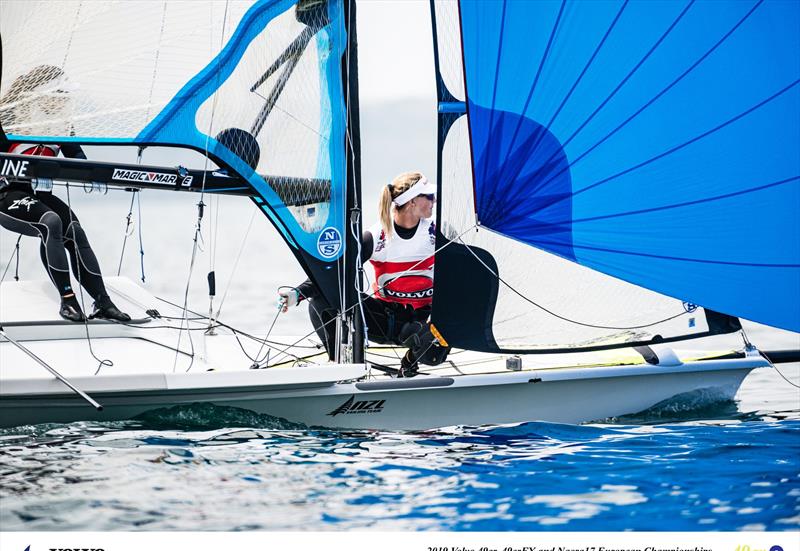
x=656, y=142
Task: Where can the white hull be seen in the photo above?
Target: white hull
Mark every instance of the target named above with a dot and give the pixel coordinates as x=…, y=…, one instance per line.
x=476, y=390
x=463, y=400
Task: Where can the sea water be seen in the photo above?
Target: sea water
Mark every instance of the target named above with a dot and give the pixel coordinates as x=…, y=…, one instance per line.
x=721, y=467
x=731, y=465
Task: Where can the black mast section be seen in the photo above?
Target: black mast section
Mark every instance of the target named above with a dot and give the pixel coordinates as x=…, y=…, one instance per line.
x=353, y=274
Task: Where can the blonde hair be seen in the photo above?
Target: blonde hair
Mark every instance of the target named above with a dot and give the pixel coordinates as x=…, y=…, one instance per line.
x=399, y=185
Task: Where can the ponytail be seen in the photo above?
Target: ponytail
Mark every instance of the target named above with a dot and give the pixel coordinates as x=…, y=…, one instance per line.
x=385, y=210
x=400, y=184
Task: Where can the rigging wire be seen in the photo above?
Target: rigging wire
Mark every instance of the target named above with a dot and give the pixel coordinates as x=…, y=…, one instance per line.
x=235, y=331
x=198, y=237
x=784, y=377
x=14, y=254
x=358, y=280
x=141, y=240
x=256, y=362
x=563, y=318
x=127, y=231
x=749, y=346
x=195, y=247
x=236, y=262
x=104, y=362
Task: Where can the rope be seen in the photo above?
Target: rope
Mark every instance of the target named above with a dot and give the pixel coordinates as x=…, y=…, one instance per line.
x=104, y=362
x=779, y=372
x=256, y=362
x=359, y=271
x=141, y=241
x=563, y=318
x=749, y=346
x=127, y=232
x=235, y=331
x=198, y=236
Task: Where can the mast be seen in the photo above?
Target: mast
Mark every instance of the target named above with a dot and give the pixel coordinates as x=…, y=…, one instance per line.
x=353, y=272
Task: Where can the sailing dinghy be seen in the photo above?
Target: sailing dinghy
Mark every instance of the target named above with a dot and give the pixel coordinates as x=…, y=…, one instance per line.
x=614, y=177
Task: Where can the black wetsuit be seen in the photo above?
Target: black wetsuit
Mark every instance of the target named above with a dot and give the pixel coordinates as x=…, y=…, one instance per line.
x=387, y=322
x=43, y=215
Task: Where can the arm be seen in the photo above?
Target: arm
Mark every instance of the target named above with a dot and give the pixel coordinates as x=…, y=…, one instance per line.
x=291, y=296
x=367, y=246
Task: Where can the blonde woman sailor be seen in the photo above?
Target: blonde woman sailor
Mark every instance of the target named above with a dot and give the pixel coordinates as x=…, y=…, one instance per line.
x=401, y=249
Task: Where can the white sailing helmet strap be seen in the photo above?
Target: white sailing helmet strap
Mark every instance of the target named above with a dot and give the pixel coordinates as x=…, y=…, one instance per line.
x=420, y=187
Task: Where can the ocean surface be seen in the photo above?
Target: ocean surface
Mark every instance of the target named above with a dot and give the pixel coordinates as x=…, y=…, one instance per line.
x=731, y=465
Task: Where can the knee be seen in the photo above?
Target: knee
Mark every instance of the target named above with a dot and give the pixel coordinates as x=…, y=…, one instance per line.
x=52, y=224
x=424, y=346
x=75, y=233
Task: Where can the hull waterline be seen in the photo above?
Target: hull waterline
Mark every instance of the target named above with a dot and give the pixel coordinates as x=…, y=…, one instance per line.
x=573, y=395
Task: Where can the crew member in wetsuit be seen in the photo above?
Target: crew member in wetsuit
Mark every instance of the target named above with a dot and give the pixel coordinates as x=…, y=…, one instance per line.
x=401, y=248
x=42, y=214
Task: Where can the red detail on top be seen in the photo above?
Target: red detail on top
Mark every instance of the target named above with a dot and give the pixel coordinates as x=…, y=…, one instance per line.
x=410, y=288
x=397, y=267
x=42, y=150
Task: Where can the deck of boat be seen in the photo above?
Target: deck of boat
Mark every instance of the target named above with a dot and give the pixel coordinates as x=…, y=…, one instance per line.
x=147, y=345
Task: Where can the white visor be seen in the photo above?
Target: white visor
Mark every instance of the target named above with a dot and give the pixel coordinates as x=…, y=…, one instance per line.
x=421, y=187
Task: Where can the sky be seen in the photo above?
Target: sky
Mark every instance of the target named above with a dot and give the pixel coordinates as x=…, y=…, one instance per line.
x=395, y=50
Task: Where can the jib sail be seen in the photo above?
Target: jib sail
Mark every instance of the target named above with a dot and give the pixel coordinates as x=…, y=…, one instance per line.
x=257, y=86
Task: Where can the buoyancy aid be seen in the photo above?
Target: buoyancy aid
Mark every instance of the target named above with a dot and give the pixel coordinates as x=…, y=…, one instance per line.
x=404, y=267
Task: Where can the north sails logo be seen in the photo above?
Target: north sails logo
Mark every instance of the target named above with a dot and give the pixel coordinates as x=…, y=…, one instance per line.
x=329, y=242
x=362, y=406
x=142, y=176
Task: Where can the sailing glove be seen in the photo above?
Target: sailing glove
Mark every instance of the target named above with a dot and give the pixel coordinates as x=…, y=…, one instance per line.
x=287, y=298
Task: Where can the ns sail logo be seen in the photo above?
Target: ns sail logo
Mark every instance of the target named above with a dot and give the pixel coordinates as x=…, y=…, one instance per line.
x=329, y=242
